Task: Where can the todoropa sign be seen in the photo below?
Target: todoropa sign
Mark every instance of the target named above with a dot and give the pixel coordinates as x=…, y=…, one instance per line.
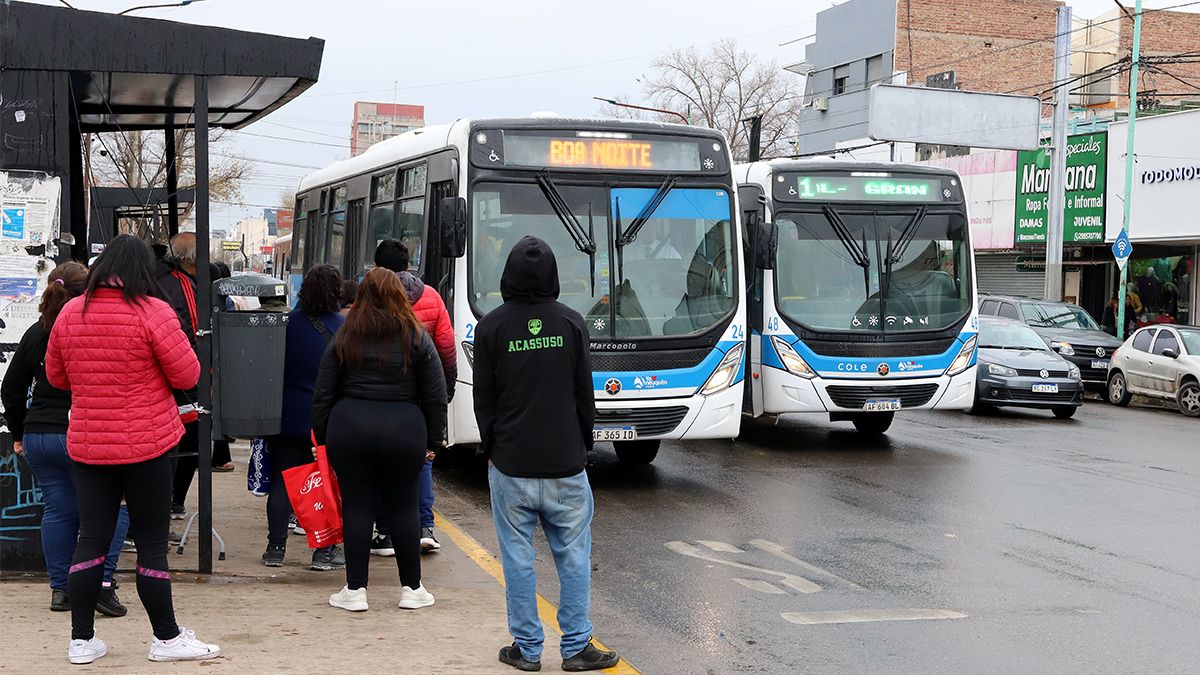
x=1172, y=174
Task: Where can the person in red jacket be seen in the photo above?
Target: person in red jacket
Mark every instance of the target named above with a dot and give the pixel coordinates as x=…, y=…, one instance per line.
x=431, y=311
x=120, y=350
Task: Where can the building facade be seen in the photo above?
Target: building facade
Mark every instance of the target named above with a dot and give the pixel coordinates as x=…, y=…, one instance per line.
x=374, y=122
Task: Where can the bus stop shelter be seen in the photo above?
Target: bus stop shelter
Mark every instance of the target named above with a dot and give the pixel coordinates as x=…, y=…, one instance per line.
x=65, y=73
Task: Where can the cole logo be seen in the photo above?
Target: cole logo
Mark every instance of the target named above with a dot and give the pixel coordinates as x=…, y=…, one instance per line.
x=883, y=369
x=535, y=326
x=612, y=387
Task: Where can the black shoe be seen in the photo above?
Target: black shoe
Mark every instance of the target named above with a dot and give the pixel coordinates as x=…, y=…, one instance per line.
x=590, y=659
x=328, y=558
x=429, y=543
x=109, y=604
x=273, y=557
x=178, y=512
x=382, y=545
x=512, y=656
x=59, y=601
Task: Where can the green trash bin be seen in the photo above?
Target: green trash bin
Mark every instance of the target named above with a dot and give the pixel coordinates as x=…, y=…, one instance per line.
x=248, y=352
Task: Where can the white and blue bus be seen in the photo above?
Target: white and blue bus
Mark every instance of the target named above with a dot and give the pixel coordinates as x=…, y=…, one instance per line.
x=642, y=217
x=862, y=297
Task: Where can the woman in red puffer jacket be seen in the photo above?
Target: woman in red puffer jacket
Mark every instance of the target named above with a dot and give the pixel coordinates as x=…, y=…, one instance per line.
x=119, y=350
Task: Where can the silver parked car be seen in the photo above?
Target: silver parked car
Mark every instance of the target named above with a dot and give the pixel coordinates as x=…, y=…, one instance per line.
x=1159, y=361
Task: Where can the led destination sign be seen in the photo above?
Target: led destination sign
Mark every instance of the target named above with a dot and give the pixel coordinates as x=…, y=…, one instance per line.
x=864, y=188
x=597, y=150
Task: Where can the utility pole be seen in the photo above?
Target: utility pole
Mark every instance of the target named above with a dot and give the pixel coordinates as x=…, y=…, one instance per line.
x=1056, y=203
x=1136, y=58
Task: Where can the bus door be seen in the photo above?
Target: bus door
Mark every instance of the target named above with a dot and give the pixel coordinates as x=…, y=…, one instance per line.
x=352, y=262
x=753, y=207
x=439, y=271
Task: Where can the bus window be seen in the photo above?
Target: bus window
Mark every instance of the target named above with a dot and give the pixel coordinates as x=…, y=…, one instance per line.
x=383, y=192
x=299, y=232
x=337, y=227
x=411, y=226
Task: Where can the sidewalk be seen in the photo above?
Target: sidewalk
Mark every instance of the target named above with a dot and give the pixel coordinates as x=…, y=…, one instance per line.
x=278, y=619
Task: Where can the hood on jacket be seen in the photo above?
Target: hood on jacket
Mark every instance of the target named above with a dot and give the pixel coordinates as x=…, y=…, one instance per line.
x=412, y=285
x=531, y=273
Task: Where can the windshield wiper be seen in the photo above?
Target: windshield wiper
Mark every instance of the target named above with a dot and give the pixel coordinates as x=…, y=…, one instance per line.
x=584, y=241
x=627, y=237
x=895, y=253
x=857, y=253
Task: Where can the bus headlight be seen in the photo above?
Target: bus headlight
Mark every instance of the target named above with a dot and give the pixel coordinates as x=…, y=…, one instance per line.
x=726, y=371
x=791, y=360
x=469, y=351
x=963, y=359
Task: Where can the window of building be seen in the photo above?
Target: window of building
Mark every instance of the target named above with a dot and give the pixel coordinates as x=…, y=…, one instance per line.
x=841, y=76
x=875, y=71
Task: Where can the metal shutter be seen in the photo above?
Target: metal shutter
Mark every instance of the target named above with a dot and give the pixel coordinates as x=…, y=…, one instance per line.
x=997, y=273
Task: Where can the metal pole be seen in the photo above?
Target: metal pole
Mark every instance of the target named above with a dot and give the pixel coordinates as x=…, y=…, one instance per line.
x=642, y=107
x=172, y=182
x=1129, y=157
x=1056, y=204
x=204, y=329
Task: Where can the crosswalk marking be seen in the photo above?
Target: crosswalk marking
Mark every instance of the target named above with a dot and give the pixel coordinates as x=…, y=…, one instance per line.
x=867, y=615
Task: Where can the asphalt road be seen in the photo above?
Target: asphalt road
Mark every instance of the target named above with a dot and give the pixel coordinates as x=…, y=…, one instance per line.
x=1012, y=543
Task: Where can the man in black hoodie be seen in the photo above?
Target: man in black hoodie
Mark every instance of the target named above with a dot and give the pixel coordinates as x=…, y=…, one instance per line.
x=535, y=408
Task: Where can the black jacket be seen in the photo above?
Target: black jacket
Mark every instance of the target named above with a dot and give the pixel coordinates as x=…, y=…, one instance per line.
x=179, y=288
x=383, y=377
x=533, y=373
x=49, y=411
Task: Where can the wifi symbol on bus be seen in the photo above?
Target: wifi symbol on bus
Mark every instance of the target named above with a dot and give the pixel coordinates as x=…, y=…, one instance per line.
x=891, y=320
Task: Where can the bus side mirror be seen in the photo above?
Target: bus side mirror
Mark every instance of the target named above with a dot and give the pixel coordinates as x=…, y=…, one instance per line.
x=452, y=226
x=766, y=244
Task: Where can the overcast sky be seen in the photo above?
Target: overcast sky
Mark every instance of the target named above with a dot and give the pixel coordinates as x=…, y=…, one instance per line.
x=473, y=58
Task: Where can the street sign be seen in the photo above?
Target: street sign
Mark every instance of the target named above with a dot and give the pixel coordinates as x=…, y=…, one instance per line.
x=953, y=117
x=1122, y=248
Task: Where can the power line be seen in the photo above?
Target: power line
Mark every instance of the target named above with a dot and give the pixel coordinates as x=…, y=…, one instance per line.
x=547, y=71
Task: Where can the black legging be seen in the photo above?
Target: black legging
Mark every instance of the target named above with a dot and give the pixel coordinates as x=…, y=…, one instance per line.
x=146, y=487
x=378, y=447
x=286, y=452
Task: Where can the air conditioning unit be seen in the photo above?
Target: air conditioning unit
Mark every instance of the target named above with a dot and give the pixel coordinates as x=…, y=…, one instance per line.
x=820, y=104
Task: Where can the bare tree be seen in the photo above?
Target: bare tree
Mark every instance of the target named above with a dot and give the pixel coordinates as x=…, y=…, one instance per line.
x=138, y=159
x=720, y=88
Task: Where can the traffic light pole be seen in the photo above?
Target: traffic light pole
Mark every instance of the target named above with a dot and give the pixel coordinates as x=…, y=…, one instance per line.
x=1056, y=200
x=1129, y=157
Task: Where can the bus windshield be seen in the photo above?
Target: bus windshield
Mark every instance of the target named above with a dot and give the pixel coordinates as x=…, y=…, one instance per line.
x=674, y=278
x=871, y=271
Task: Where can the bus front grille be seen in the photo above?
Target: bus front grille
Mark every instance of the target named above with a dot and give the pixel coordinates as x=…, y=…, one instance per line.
x=878, y=350
x=647, y=421
x=648, y=361
x=911, y=396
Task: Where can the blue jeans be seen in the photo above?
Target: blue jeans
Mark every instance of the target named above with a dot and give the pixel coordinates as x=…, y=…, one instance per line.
x=564, y=507
x=54, y=473
x=425, y=489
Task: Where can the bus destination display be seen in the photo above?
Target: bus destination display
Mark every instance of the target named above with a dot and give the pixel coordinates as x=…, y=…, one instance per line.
x=582, y=152
x=862, y=188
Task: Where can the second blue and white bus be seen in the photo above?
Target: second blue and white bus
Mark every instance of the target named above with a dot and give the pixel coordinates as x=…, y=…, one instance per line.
x=862, y=301
x=642, y=217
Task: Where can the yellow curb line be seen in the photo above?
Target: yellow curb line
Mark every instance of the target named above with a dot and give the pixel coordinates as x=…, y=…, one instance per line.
x=547, y=612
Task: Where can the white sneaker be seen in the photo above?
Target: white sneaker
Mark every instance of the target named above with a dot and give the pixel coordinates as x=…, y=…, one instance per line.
x=353, y=601
x=86, y=651
x=410, y=599
x=183, y=647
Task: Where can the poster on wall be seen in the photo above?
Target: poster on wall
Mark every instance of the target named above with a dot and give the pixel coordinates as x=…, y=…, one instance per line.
x=28, y=209
x=1083, y=214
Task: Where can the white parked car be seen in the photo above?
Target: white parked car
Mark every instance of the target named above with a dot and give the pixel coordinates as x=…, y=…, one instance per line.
x=1159, y=361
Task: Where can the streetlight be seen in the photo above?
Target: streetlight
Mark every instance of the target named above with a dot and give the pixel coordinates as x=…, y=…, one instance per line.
x=183, y=3
x=642, y=107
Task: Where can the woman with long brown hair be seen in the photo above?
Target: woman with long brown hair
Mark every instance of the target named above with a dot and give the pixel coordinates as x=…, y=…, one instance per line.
x=37, y=414
x=380, y=408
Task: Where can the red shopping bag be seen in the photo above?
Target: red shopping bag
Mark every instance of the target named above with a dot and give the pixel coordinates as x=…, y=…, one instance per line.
x=316, y=499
